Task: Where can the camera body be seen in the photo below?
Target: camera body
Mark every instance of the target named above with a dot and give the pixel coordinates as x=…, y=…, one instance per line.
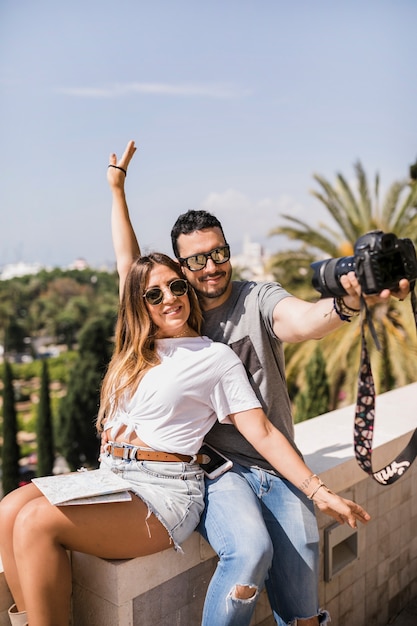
x=380, y=261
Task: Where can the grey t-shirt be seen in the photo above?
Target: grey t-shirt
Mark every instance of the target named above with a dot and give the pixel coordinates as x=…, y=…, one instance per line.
x=244, y=322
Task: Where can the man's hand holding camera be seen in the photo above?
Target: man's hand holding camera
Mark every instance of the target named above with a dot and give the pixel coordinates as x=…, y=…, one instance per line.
x=351, y=285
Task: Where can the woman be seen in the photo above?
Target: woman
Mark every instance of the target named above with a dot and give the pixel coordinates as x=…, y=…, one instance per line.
x=165, y=387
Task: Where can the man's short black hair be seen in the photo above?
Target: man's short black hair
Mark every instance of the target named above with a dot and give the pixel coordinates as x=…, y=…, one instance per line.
x=190, y=222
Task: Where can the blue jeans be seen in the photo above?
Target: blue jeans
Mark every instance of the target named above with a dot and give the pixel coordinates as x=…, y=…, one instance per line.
x=265, y=532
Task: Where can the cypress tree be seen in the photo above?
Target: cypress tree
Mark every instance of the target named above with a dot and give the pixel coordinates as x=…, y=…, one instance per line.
x=44, y=430
x=11, y=450
x=78, y=438
x=314, y=399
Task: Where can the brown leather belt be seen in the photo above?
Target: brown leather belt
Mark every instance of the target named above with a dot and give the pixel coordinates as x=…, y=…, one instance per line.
x=121, y=451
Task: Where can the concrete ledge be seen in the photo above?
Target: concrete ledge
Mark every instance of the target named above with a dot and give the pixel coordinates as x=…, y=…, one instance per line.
x=119, y=581
x=109, y=592
x=161, y=589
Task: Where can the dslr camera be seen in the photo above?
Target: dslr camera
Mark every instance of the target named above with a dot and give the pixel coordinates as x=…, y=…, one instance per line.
x=380, y=260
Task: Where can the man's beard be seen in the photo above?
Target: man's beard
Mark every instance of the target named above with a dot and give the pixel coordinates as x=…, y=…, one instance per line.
x=216, y=293
x=212, y=294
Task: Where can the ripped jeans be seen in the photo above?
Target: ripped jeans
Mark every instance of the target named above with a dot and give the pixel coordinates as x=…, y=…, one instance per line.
x=264, y=531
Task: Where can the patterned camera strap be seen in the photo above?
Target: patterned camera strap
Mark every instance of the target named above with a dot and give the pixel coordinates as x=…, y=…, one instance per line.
x=365, y=415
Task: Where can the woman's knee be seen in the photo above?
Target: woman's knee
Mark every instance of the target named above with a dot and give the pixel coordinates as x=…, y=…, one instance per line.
x=32, y=523
x=10, y=506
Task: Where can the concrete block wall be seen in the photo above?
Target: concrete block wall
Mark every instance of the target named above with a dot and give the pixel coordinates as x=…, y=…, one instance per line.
x=378, y=579
x=162, y=589
x=379, y=583
x=383, y=579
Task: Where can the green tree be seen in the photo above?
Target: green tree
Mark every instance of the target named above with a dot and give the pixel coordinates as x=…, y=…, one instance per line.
x=290, y=268
x=53, y=306
x=314, y=398
x=78, y=409
x=356, y=210
x=44, y=430
x=14, y=341
x=11, y=450
x=14, y=325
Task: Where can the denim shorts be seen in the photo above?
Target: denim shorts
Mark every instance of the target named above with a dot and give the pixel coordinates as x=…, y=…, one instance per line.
x=173, y=492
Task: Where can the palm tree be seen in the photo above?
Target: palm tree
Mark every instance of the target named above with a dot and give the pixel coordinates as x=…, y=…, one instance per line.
x=354, y=213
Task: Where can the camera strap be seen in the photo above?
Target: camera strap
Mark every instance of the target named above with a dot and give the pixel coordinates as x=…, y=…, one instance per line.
x=365, y=412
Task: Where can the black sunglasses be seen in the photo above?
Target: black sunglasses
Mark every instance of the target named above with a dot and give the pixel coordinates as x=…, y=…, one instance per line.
x=155, y=295
x=198, y=262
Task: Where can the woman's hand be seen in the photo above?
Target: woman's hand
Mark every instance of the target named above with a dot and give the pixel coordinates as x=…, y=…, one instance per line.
x=339, y=508
x=116, y=171
x=104, y=439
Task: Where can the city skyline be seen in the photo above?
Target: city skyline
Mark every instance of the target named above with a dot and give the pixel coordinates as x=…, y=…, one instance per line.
x=234, y=107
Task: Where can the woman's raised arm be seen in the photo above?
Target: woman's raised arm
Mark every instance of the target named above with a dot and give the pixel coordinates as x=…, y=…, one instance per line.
x=125, y=243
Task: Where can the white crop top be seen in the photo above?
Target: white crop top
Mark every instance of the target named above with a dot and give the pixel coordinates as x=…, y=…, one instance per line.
x=177, y=402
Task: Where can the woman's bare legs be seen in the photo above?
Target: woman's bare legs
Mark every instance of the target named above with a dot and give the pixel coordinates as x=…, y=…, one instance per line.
x=38, y=534
x=10, y=507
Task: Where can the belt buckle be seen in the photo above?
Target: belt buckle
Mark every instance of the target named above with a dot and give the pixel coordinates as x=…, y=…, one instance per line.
x=126, y=449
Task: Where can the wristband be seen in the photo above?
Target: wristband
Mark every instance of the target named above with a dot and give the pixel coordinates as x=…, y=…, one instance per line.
x=343, y=310
x=116, y=167
x=313, y=493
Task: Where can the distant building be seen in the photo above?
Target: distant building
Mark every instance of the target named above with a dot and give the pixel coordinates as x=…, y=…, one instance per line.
x=14, y=270
x=79, y=264
x=251, y=263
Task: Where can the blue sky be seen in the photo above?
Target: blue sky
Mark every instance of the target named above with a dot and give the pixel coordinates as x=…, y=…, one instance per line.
x=234, y=105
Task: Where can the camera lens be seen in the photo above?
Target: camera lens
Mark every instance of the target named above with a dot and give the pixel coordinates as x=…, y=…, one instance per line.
x=326, y=277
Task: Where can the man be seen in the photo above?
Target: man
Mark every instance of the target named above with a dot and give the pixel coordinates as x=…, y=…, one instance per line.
x=260, y=526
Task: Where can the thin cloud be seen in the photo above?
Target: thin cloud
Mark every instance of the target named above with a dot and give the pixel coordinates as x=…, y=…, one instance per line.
x=236, y=204
x=186, y=90
x=254, y=216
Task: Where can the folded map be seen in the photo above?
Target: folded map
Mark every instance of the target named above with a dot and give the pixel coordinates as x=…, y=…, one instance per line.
x=84, y=487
